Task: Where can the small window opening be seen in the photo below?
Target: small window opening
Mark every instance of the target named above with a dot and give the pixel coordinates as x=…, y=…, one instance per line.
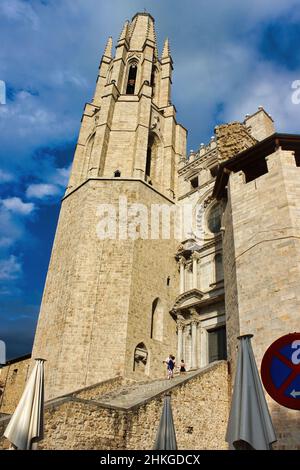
x=153, y=80
x=214, y=171
x=148, y=163
x=297, y=158
x=195, y=182
x=131, y=80
x=255, y=170
x=117, y=174
x=168, y=281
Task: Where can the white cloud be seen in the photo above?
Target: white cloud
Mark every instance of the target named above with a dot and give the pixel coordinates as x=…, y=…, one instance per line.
x=61, y=176
x=15, y=204
x=12, y=228
x=10, y=268
x=18, y=10
x=5, y=177
x=42, y=190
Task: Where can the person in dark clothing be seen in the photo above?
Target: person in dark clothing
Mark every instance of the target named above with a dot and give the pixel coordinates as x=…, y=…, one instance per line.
x=171, y=367
x=182, y=366
x=170, y=361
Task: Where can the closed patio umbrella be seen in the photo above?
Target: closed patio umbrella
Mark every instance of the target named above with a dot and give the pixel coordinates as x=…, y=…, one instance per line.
x=166, y=436
x=26, y=424
x=249, y=425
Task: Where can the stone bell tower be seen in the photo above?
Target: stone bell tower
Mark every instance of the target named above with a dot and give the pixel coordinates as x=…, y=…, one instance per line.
x=106, y=303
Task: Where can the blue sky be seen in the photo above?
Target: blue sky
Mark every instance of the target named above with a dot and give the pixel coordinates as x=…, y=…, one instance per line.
x=229, y=58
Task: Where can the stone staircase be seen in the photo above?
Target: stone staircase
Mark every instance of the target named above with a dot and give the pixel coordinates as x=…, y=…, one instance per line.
x=135, y=394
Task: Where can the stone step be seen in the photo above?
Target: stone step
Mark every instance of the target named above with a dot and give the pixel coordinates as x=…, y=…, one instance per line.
x=135, y=393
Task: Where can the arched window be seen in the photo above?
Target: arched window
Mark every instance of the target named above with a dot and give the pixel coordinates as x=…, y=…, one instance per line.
x=87, y=161
x=152, y=150
x=154, y=160
x=109, y=75
x=148, y=162
x=117, y=174
x=214, y=219
x=131, y=79
x=153, y=72
x=140, y=358
x=153, y=82
x=157, y=320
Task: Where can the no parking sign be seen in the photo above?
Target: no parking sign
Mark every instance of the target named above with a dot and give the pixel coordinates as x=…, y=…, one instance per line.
x=280, y=371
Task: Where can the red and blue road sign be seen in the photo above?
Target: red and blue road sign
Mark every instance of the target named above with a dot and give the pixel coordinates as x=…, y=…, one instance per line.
x=280, y=371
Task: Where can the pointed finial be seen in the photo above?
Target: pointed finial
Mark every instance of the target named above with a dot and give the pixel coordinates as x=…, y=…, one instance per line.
x=166, y=50
x=108, y=48
x=124, y=31
x=151, y=31
x=151, y=35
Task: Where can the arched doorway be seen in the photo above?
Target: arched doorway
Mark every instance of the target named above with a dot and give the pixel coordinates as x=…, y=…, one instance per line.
x=140, y=360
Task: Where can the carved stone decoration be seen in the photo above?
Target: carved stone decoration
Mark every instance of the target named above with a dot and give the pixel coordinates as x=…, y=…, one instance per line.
x=155, y=123
x=134, y=55
x=140, y=354
x=207, y=201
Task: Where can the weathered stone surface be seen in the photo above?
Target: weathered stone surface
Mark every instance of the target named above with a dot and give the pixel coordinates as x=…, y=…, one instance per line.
x=262, y=272
x=232, y=139
x=101, y=295
x=200, y=410
x=12, y=381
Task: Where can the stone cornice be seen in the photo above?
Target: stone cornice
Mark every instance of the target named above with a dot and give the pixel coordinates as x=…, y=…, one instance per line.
x=116, y=180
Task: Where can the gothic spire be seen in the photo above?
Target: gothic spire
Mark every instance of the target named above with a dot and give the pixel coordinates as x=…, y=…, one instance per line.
x=108, y=48
x=166, y=50
x=124, y=32
x=151, y=35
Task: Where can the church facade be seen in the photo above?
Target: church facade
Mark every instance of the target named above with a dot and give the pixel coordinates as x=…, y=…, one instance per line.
x=121, y=296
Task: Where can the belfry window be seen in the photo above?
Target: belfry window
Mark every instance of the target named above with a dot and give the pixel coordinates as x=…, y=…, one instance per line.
x=148, y=162
x=131, y=80
x=153, y=80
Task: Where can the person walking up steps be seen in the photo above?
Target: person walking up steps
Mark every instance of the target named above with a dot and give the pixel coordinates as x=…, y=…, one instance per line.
x=170, y=361
x=171, y=366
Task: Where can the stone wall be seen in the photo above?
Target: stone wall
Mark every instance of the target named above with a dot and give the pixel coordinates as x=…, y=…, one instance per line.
x=97, y=303
x=260, y=124
x=230, y=285
x=200, y=411
x=265, y=251
x=101, y=388
x=12, y=380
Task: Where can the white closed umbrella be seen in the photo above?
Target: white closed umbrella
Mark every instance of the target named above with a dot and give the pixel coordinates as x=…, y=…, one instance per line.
x=26, y=424
x=249, y=425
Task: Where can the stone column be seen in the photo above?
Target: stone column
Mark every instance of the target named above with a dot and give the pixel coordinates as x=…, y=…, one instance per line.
x=204, y=347
x=182, y=269
x=194, y=345
x=199, y=344
x=180, y=342
x=183, y=344
x=195, y=258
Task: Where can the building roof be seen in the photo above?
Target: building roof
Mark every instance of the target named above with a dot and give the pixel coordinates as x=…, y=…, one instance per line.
x=251, y=156
x=17, y=359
